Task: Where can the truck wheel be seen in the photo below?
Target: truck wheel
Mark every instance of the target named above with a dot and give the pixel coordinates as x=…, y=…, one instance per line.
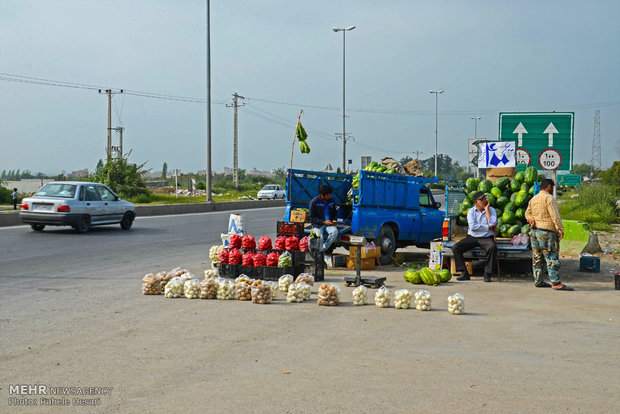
x=387, y=243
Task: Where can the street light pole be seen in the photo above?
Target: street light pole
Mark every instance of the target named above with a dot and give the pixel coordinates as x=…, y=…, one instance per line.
x=344, y=136
x=436, y=92
x=208, y=172
x=476, y=118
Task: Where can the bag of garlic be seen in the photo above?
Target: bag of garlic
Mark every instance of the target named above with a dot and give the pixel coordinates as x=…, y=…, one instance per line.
x=174, y=288
x=402, y=299
x=382, y=297
x=295, y=293
x=151, y=284
x=284, y=282
x=360, y=295
x=225, y=289
x=456, y=304
x=191, y=289
x=261, y=293
x=329, y=294
x=306, y=278
x=423, y=300
x=274, y=289
x=244, y=290
x=306, y=290
x=214, y=252
x=208, y=289
x=211, y=273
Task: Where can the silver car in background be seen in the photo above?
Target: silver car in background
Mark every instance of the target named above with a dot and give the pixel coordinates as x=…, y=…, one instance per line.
x=78, y=204
x=271, y=192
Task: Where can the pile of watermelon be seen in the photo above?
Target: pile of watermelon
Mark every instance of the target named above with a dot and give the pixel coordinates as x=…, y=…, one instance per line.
x=427, y=276
x=508, y=197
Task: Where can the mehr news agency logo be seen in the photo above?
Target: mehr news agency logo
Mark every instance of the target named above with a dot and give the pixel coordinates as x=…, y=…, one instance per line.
x=45, y=395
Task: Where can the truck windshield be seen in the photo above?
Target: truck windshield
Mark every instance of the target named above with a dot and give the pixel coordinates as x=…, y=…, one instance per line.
x=57, y=190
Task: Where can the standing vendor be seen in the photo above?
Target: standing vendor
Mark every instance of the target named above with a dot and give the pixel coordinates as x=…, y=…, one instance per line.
x=481, y=220
x=323, y=216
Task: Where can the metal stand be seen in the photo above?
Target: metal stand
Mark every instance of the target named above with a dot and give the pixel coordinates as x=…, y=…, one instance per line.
x=371, y=281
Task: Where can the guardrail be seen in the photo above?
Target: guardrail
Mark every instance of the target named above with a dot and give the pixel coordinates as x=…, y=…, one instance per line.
x=11, y=218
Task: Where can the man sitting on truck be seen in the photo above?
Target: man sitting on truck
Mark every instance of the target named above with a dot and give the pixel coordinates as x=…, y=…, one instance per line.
x=481, y=220
x=323, y=215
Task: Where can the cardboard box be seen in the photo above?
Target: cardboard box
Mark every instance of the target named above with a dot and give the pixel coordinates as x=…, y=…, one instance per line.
x=299, y=216
x=339, y=260
x=494, y=174
x=435, y=259
x=366, y=264
x=368, y=252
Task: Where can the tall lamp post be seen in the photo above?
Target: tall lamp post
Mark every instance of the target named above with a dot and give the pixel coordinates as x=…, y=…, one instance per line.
x=436, y=92
x=344, y=136
x=476, y=118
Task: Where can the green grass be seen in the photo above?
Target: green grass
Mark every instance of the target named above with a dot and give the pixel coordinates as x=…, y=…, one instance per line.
x=596, y=206
x=229, y=195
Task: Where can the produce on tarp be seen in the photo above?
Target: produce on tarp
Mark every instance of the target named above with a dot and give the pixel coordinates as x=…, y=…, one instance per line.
x=248, y=242
x=235, y=241
x=264, y=243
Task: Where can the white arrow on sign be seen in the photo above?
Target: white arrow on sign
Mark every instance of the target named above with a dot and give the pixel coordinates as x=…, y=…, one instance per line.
x=520, y=130
x=551, y=130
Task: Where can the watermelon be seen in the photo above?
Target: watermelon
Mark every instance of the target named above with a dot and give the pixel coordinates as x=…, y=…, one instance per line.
x=444, y=275
x=514, y=230
x=525, y=229
x=520, y=213
x=508, y=217
x=498, y=212
x=412, y=276
x=503, y=230
x=521, y=198
x=525, y=187
x=470, y=196
x=511, y=207
x=490, y=199
x=502, y=183
x=429, y=277
x=531, y=175
x=507, y=193
x=520, y=177
x=496, y=192
x=464, y=208
x=485, y=186
x=530, y=192
x=472, y=184
x=515, y=185
x=461, y=221
x=502, y=201
x=519, y=223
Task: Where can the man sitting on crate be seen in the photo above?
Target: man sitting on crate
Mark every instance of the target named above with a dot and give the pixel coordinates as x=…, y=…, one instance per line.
x=481, y=222
x=323, y=216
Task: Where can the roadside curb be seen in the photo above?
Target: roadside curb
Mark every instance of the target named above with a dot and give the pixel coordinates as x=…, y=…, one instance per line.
x=11, y=218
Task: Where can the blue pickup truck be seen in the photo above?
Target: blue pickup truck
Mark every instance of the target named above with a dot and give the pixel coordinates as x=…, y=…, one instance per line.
x=391, y=210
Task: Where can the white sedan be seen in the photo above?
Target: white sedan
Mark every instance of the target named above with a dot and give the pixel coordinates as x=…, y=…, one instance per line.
x=271, y=192
x=77, y=204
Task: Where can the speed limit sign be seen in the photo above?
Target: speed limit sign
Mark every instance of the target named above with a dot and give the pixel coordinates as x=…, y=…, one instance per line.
x=550, y=159
x=523, y=157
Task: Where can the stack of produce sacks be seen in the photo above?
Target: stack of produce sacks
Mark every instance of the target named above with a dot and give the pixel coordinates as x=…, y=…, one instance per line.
x=211, y=273
x=284, y=282
x=165, y=278
x=174, y=288
x=329, y=294
x=191, y=289
x=423, y=300
x=305, y=278
x=456, y=304
x=360, y=295
x=261, y=293
x=208, y=288
x=382, y=297
x=402, y=299
x=225, y=289
x=295, y=293
x=151, y=284
x=214, y=252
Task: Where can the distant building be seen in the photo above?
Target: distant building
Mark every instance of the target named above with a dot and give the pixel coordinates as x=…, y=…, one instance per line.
x=78, y=174
x=256, y=172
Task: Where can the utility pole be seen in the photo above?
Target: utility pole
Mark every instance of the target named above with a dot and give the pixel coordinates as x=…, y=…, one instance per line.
x=109, y=92
x=596, y=142
x=235, y=105
x=417, y=154
x=120, y=129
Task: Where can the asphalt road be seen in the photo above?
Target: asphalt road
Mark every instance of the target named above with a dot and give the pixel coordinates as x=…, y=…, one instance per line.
x=30, y=259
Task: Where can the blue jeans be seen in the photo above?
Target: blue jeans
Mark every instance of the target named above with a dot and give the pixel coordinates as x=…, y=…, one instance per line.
x=332, y=233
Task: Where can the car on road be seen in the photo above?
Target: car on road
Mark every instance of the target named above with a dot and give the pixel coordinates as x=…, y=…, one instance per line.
x=78, y=204
x=271, y=192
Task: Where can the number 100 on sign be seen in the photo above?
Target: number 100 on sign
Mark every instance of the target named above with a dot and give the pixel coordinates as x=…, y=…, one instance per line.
x=550, y=159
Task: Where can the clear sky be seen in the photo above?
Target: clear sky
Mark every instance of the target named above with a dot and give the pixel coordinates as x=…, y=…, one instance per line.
x=489, y=56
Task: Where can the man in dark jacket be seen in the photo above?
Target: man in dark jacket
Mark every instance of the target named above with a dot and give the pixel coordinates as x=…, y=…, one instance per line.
x=323, y=215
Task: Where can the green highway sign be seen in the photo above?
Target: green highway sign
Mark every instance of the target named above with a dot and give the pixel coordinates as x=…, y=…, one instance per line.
x=569, y=180
x=544, y=139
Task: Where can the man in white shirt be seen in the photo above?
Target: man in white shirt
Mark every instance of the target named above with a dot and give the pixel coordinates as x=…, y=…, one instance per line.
x=481, y=221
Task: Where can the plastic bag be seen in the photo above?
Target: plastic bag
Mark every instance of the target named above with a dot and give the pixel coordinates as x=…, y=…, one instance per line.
x=191, y=289
x=306, y=278
x=274, y=289
x=360, y=295
x=214, y=252
x=423, y=300
x=165, y=278
x=295, y=293
x=174, y=288
x=329, y=294
x=382, y=297
x=284, y=282
x=225, y=289
x=211, y=273
x=244, y=291
x=208, y=289
x=151, y=284
x=261, y=293
x=456, y=304
x=285, y=260
x=402, y=299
